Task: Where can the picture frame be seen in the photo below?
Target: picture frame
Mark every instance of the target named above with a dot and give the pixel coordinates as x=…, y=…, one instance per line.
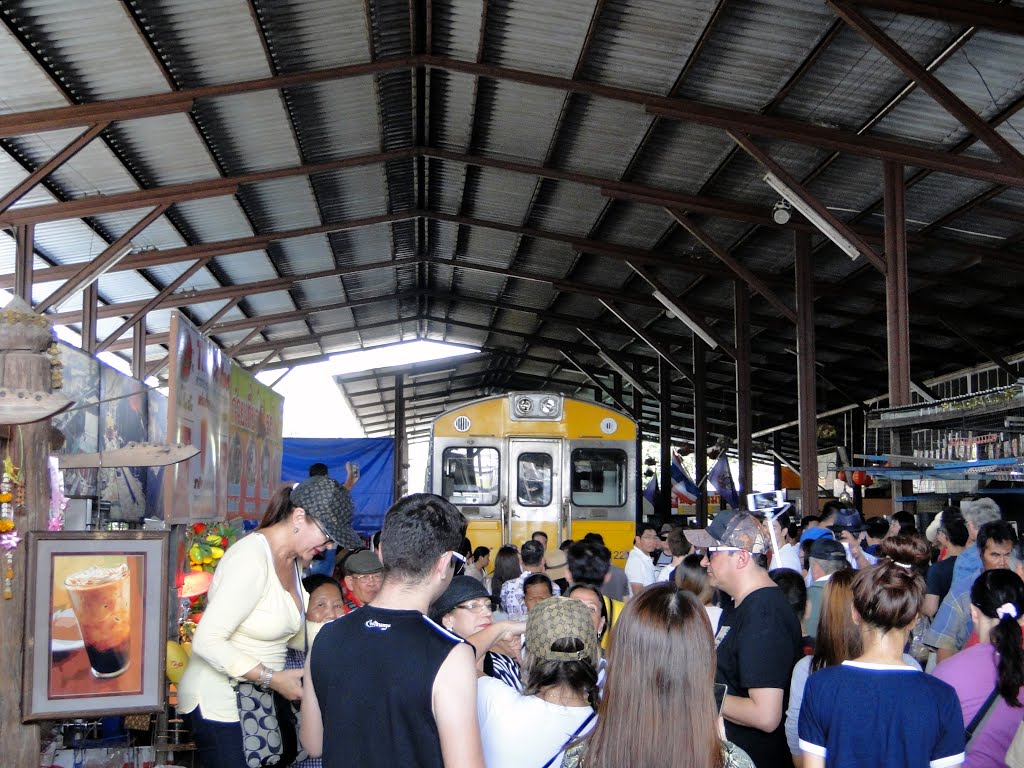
x=96, y=623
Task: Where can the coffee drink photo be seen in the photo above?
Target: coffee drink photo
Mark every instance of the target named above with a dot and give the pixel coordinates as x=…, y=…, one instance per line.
x=101, y=599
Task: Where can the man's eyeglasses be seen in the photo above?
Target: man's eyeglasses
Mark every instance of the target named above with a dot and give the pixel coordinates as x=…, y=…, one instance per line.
x=318, y=524
x=483, y=606
x=363, y=578
x=663, y=537
x=713, y=550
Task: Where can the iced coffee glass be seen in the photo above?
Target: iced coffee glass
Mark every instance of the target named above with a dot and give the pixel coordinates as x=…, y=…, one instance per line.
x=101, y=600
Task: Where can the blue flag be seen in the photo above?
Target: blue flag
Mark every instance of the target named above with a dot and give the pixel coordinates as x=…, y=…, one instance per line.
x=683, y=488
x=721, y=477
x=651, y=489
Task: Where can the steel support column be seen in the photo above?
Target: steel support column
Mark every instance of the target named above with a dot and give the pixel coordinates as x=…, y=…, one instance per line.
x=399, y=436
x=897, y=308
x=744, y=420
x=637, y=403
x=664, y=506
x=90, y=313
x=700, y=432
x=139, y=350
x=24, y=249
x=805, y=373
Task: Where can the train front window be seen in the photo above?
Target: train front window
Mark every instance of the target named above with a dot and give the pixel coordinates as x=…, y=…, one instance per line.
x=598, y=477
x=534, y=479
x=470, y=476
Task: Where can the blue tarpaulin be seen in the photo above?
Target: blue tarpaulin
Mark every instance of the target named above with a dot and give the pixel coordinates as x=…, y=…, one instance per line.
x=372, y=495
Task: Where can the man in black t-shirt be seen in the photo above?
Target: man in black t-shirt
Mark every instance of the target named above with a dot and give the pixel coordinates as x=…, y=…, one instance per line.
x=758, y=637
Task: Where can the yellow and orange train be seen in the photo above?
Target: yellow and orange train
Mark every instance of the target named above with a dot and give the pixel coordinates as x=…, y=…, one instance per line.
x=537, y=461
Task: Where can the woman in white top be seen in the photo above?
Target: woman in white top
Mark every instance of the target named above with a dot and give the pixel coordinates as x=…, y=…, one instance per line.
x=254, y=608
x=531, y=729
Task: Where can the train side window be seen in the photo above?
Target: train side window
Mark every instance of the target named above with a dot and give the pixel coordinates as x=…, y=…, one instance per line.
x=470, y=475
x=534, y=479
x=598, y=477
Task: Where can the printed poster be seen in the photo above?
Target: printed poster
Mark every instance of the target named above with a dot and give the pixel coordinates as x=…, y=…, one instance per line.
x=255, y=445
x=198, y=408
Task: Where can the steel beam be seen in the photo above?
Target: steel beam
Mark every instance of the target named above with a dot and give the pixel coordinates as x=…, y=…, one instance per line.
x=140, y=314
x=742, y=272
x=806, y=373
x=594, y=377
x=90, y=308
x=897, y=287
x=700, y=432
x=644, y=336
x=664, y=506
x=26, y=185
x=139, y=350
x=236, y=291
x=93, y=270
x=92, y=205
x=24, y=253
x=982, y=349
x=927, y=82
x=744, y=421
x=1004, y=19
x=163, y=256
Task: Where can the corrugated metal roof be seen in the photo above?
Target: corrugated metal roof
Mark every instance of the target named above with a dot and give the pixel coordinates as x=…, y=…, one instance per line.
x=503, y=275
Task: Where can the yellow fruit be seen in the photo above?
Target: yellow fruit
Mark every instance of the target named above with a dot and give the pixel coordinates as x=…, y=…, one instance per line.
x=177, y=658
x=207, y=560
x=187, y=647
x=216, y=552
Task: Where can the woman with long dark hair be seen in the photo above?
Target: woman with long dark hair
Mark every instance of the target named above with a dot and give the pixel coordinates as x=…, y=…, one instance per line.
x=876, y=709
x=255, y=607
x=658, y=709
x=532, y=728
x=994, y=667
x=506, y=568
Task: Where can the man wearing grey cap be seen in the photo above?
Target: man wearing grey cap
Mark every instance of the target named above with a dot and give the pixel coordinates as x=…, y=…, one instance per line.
x=827, y=556
x=364, y=574
x=758, y=637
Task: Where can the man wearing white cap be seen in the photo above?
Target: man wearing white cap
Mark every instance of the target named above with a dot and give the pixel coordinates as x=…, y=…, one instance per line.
x=758, y=637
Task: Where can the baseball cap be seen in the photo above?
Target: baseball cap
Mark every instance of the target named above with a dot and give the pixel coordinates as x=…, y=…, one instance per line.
x=815, y=533
x=827, y=549
x=847, y=520
x=731, y=528
x=559, y=618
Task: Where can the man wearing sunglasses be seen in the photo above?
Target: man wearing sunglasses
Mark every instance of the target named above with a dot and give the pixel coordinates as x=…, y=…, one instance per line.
x=758, y=636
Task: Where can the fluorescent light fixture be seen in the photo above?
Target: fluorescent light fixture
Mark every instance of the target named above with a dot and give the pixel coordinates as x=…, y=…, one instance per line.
x=677, y=312
x=811, y=215
x=622, y=372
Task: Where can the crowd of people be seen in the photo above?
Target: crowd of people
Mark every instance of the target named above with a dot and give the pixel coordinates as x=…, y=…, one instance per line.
x=755, y=642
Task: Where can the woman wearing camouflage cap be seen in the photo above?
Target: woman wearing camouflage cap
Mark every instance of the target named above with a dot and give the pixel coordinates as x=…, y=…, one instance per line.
x=531, y=729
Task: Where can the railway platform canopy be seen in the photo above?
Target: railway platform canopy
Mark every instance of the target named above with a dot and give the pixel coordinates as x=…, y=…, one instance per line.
x=738, y=212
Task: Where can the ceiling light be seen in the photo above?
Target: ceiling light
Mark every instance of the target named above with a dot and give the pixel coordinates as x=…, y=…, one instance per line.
x=811, y=215
x=782, y=212
x=677, y=312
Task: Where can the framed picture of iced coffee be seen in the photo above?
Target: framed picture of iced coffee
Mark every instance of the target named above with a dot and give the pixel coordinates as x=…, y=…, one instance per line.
x=96, y=623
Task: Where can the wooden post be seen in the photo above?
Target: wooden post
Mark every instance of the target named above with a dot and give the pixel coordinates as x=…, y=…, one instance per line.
x=28, y=449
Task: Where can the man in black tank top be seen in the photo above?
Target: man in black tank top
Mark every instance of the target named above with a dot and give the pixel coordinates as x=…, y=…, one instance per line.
x=384, y=685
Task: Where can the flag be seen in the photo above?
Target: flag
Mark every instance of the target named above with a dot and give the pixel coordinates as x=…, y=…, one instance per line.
x=684, y=490
x=651, y=490
x=721, y=477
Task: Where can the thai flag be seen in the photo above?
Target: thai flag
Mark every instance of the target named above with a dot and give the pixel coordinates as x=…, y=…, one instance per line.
x=684, y=490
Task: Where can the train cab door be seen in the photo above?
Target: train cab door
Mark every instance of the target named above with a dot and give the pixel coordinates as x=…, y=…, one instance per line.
x=534, y=493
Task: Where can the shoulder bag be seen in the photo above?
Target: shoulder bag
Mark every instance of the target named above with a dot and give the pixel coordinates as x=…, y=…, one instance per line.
x=267, y=719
